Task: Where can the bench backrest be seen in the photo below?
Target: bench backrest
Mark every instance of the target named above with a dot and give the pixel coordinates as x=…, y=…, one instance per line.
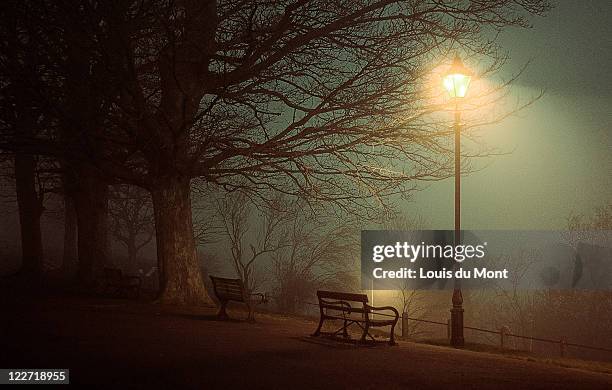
x=341, y=301
x=228, y=289
x=342, y=296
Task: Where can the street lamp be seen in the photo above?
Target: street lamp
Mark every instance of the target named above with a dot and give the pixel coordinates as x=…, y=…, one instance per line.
x=456, y=82
x=457, y=79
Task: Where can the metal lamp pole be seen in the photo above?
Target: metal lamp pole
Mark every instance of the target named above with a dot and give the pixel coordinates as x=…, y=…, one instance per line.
x=457, y=339
x=456, y=82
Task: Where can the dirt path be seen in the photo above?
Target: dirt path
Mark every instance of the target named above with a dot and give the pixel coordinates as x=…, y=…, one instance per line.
x=111, y=342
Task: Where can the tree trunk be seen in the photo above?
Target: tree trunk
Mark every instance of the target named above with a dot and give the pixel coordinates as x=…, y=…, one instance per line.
x=30, y=211
x=91, y=200
x=70, y=255
x=180, y=274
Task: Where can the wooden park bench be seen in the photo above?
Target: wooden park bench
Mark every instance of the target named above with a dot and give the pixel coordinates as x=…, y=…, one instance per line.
x=228, y=290
x=353, y=308
x=117, y=284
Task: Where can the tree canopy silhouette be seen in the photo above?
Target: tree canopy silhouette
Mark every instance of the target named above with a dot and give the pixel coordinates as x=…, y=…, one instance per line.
x=325, y=100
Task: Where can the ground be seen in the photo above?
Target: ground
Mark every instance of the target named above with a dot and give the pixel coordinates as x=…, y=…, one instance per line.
x=126, y=343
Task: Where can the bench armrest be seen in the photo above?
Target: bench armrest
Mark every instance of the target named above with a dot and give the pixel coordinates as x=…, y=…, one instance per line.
x=380, y=308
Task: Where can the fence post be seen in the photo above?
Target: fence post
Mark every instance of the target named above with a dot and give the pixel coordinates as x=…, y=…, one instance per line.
x=562, y=347
x=404, y=325
x=448, y=329
x=502, y=336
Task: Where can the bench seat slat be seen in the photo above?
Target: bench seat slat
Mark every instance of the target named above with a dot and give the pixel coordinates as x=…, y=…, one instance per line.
x=226, y=297
x=229, y=289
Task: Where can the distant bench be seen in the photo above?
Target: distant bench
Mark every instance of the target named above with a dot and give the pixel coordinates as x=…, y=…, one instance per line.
x=228, y=290
x=337, y=306
x=118, y=284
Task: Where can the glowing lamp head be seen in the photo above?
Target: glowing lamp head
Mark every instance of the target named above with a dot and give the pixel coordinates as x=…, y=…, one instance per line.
x=457, y=79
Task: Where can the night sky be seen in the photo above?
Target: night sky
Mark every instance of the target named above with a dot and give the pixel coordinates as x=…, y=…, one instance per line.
x=560, y=149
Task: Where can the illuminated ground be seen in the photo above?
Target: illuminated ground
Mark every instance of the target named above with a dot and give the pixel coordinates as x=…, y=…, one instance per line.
x=111, y=341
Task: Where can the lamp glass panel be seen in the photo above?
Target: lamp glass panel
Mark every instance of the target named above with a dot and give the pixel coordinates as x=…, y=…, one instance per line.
x=456, y=84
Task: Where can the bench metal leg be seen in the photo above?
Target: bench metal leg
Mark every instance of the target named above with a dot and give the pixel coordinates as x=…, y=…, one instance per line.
x=366, y=328
x=392, y=335
x=345, y=330
x=318, y=331
x=251, y=317
x=222, y=315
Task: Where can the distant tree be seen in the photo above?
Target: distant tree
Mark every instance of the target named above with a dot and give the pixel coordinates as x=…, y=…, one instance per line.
x=30, y=211
x=320, y=252
x=207, y=226
x=251, y=237
x=49, y=101
x=552, y=313
x=415, y=303
x=131, y=218
x=582, y=315
x=509, y=305
x=600, y=220
x=20, y=111
x=34, y=179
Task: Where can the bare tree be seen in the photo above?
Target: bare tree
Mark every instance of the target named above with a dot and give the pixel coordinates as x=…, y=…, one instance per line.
x=35, y=180
x=553, y=313
x=566, y=310
x=50, y=100
x=250, y=245
x=131, y=218
x=320, y=253
x=207, y=226
x=19, y=115
x=601, y=220
x=414, y=303
x=511, y=305
x=30, y=211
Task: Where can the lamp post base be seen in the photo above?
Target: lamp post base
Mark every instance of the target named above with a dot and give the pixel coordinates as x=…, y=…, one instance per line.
x=457, y=339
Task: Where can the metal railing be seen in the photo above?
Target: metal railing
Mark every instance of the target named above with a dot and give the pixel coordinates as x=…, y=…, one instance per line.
x=504, y=334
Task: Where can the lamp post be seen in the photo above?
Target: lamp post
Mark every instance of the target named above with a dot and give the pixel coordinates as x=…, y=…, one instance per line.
x=456, y=82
